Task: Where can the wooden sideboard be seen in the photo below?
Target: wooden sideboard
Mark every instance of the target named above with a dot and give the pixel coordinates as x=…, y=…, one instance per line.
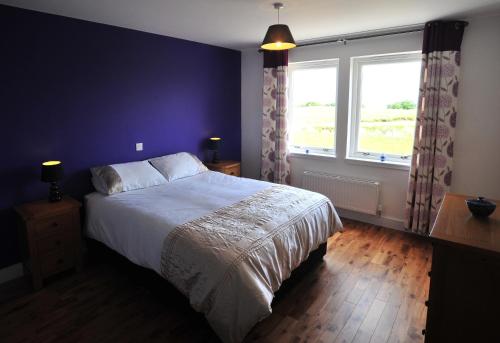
x=464, y=294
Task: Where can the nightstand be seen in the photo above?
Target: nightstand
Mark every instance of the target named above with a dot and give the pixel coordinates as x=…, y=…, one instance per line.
x=50, y=237
x=226, y=167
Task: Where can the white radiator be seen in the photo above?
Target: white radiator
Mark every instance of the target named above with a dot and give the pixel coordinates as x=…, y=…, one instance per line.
x=345, y=192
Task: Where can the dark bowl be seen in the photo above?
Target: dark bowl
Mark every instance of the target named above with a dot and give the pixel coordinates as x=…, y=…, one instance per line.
x=480, y=207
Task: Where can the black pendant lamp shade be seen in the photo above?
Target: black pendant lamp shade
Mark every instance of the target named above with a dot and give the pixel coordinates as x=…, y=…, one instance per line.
x=278, y=36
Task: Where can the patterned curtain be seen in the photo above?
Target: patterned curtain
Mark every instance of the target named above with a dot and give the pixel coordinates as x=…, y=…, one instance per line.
x=431, y=165
x=275, y=165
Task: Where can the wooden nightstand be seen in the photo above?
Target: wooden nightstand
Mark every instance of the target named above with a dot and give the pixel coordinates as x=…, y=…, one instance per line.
x=50, y=237
x=226, y=167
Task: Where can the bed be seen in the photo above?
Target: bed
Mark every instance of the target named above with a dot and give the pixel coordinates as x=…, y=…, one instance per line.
x=225, y=242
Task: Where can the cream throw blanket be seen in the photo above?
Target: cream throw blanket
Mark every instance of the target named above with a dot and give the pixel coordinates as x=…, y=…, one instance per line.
x=229, y=263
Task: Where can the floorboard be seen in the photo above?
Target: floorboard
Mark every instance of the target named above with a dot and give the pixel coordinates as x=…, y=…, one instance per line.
x=371, y=287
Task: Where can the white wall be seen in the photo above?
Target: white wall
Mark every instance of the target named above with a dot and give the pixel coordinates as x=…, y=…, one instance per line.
x=477, y=145
x=251, y=112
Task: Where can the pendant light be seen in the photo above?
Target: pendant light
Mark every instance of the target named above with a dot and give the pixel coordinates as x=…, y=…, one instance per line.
x=278, y=36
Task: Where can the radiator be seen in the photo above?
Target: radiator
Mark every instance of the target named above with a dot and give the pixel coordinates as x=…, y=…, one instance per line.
x=345, y=192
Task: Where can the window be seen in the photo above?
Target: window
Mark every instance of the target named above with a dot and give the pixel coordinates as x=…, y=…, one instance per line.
x=313, y=107
x=384, y=97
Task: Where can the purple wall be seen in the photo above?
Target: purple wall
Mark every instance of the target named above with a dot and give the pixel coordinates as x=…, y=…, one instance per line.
x=85, y=93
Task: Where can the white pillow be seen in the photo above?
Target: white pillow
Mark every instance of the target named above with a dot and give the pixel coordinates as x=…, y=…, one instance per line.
x=177, y=166
x=123, y=177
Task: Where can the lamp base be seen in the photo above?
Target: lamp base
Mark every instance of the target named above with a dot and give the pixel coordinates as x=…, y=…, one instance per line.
x=54, y=194
x=215, y=158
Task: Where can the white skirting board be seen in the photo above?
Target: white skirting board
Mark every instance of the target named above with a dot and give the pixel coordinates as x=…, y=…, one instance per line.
x=11, y=272
x=390, y=223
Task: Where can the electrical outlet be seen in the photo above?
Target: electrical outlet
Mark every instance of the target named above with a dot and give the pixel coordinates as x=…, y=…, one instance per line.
x=138, y=146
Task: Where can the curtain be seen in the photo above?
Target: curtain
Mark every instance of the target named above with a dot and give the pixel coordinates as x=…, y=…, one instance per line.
x=432, y=160
x=275, y=163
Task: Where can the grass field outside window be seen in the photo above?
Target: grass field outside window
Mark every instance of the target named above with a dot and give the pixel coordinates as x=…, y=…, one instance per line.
x=389, y=130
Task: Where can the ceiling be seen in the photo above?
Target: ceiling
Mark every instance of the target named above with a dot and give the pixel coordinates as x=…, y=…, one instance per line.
x=241, y=24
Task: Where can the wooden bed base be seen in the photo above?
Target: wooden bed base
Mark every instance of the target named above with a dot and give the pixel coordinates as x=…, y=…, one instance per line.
x=98, y=252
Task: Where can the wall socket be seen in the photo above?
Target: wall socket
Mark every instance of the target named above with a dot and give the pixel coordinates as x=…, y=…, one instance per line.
x=138, y=146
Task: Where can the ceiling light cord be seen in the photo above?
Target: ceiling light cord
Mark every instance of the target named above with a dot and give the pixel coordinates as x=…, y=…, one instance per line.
x=278, y=6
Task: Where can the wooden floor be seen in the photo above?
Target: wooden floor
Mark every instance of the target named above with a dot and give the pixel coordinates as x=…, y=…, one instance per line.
x=370, y=288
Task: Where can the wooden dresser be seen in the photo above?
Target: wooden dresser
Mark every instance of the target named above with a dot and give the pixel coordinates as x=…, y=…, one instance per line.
x=464, y=294
x=226, y=167
x=50, y=237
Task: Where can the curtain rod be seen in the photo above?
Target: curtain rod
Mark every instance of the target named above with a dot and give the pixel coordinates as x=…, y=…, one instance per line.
x=363, y=35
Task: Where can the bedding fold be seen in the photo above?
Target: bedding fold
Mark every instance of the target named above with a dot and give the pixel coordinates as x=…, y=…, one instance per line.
x=230, y=262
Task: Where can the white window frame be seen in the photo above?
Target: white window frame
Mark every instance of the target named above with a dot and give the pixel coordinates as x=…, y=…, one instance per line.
x=354, y=117
x=328, y=63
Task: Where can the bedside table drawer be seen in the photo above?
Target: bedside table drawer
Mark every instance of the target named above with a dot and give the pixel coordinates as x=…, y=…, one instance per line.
x=47, y=227
x=235, y=171
x=56, y=261
x=53, y=242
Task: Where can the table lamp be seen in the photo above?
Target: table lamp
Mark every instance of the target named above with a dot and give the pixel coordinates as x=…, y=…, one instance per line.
x=52, y=171
x=214, y=144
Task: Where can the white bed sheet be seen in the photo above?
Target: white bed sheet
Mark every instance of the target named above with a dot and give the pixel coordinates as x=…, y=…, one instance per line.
x=135, y=223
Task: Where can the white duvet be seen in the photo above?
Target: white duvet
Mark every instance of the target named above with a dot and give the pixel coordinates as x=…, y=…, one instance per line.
x=137, y=225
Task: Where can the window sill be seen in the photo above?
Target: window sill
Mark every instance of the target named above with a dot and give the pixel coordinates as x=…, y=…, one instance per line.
x=373, y=163
x=314, y=156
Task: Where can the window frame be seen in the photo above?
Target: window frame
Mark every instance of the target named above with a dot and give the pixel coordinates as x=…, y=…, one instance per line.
x=304, y=65
x=357, y=62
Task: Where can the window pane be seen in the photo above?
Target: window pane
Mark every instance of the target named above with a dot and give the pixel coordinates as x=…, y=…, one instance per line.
x=388, y=107
x=313, y=99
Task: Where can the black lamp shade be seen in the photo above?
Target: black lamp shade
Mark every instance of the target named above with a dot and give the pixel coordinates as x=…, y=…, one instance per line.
x=278, y=37
x=52, y=171
x=214, y=143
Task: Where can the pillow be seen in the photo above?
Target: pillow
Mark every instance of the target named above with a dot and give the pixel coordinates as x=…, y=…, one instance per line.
x=177, y=166
x=123, y=177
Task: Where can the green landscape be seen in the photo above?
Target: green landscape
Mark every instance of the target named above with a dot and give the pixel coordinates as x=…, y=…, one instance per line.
x=389, y=130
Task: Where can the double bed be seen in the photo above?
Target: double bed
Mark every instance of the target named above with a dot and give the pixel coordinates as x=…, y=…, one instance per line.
x=227, y=243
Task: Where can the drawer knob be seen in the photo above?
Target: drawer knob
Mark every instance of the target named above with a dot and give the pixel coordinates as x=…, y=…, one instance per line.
x=59, y=261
